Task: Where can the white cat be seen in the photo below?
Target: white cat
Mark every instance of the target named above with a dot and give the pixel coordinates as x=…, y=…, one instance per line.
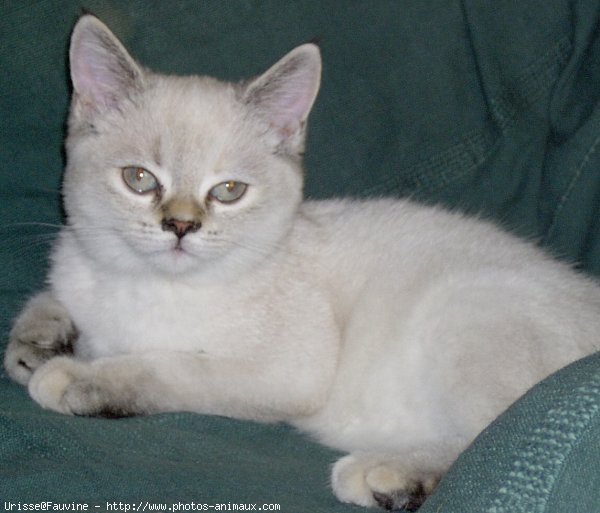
x=191, y=276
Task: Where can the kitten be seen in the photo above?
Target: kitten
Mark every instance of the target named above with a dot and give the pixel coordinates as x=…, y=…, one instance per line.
x=190, y=275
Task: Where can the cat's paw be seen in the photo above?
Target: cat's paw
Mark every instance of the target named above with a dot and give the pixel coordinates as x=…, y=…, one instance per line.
x=73, y=387
x=52, y=385
x=42, y=331
x=369, y=481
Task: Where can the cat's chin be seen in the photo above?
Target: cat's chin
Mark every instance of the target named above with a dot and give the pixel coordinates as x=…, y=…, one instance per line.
x=182, y=262
x=178, y=261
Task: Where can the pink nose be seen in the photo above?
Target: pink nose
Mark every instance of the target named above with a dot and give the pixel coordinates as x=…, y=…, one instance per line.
x=180, y=228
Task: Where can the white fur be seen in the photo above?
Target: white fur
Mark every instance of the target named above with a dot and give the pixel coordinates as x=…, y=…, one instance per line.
x=386, y=329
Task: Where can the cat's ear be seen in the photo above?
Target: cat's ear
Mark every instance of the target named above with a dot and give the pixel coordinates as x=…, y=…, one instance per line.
x=102, y=72
x=284, y=95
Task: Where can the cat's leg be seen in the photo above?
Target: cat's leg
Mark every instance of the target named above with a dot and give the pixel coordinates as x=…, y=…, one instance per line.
x=241, y=387
x=377, y=480
x=42, y=331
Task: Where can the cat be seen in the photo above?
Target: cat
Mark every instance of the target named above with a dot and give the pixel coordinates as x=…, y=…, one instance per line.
x=191, y=275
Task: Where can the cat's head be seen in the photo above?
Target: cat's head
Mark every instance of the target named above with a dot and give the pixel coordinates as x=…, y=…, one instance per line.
x=182, y=174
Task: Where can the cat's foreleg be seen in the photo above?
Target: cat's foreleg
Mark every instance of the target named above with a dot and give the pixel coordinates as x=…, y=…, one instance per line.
x=43, y=330
x=247, y=388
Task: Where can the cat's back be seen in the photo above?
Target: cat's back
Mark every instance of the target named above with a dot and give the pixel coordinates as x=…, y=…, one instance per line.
x=404, y=233
x=401, y=246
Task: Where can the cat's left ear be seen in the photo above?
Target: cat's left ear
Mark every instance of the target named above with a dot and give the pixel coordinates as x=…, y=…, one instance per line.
x=284, y=95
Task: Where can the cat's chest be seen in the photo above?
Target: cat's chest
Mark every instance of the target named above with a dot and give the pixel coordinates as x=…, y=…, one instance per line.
x=120, y=316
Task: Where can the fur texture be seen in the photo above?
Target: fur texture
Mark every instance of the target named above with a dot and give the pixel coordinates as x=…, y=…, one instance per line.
x=386, y=329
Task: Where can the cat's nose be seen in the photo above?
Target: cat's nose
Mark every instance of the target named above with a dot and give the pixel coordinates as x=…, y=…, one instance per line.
x=180, y=228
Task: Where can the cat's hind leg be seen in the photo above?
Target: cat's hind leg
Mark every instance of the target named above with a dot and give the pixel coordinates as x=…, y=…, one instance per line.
x=376, y=480
x=42, y=331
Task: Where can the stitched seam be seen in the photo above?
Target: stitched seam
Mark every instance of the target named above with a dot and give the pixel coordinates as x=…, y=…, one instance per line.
x=590, y=427
x=567, y=194
x=545, y=452
x=534, y=80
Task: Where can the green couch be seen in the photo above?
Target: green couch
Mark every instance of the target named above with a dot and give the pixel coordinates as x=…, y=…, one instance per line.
x=487, y=107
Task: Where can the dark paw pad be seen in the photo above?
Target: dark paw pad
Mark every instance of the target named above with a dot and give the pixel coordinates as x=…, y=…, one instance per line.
x=110, y=412
x=401, y=500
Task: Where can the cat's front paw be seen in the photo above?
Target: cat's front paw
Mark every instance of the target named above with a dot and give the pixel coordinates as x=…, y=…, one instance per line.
x=52, y=385
x=73, y=387
x=370, y=481
x=42, y=331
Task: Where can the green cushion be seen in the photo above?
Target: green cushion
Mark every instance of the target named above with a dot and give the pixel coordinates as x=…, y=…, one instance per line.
x=491, y=108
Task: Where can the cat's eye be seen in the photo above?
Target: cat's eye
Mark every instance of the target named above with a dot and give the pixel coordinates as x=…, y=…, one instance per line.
x=228, y=192
x=139, y=179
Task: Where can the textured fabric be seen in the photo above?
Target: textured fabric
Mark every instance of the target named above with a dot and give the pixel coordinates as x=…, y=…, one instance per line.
x=488, y=107
x=541, y=456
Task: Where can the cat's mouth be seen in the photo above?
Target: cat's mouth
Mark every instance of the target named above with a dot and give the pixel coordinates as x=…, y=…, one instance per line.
x=172, y=248
x=177, y=256
x=181, y=249
x=178, y=248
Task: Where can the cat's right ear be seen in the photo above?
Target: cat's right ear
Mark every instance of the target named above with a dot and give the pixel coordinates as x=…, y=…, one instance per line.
x=102, y=72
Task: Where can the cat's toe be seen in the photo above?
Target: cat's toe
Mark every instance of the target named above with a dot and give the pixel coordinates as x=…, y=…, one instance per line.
x=371, y=481
x=20, y=360
x=42, y=332
x=53, y=334
x=90, y=399
x=45, y=324
x=49, y=383
x=349, y=484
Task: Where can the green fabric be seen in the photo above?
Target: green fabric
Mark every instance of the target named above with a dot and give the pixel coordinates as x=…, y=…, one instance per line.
x=489, y=107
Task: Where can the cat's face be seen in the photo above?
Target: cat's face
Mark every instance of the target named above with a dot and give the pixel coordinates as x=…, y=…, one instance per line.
x=182, y=174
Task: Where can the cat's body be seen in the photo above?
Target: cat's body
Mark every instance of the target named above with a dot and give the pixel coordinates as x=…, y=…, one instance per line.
x=386, y=329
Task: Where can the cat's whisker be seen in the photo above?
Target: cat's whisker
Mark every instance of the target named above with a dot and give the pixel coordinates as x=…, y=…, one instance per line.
x=261, y=250
x=11, y=238
x=32, y=223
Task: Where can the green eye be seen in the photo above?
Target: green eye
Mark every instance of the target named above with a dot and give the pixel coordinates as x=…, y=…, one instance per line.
x=228, y=192
x=139, y=179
